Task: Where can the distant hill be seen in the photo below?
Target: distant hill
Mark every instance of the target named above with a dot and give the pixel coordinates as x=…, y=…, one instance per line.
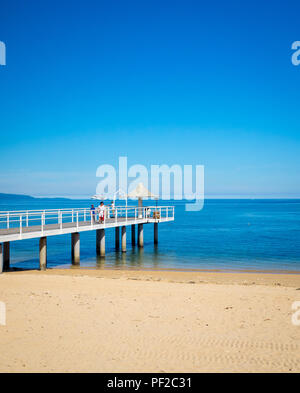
x=15, y=196
x=19, y=197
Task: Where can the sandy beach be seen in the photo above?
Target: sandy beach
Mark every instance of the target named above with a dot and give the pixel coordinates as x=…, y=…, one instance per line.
x=80, y=320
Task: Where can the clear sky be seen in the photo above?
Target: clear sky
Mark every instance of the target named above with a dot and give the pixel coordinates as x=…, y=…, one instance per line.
x=161, y=82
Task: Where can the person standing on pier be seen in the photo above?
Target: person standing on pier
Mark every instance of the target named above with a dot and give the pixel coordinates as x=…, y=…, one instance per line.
x=101, y=210
x=93, y=213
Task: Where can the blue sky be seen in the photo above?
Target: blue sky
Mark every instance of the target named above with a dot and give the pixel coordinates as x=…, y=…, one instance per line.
x=161, y=82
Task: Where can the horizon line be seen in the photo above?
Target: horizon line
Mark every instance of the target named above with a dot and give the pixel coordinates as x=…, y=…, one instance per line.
x=173, y=198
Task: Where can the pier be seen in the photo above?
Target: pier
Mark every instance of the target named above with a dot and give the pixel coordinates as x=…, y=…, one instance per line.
x=30, y=224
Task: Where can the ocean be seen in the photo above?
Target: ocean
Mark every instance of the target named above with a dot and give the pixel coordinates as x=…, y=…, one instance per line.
x=227, y=235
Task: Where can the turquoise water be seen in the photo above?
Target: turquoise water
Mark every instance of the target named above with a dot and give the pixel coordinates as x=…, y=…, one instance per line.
x=226, y=235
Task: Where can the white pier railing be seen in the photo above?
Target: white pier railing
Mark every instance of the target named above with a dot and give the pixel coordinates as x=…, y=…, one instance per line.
x=80, y=217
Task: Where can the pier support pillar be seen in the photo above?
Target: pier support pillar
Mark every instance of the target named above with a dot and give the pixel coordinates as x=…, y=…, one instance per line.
x=140, y=208
x=100, y=242
x=155, y=233
x=43, y=253
x=140, y=235
x=123, y=238
x=6, y=255
x=75, y=248
x=133, y=235
x=1, y=258
x=117, y=238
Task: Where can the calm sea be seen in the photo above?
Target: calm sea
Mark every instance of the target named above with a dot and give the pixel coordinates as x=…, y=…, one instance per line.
x=226, y=235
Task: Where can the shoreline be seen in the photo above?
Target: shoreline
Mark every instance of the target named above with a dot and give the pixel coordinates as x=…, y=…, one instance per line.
x=128, y=268
x=288, y=279
x=232, y=271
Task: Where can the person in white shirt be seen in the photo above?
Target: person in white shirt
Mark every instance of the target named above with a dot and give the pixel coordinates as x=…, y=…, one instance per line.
x=101, y=210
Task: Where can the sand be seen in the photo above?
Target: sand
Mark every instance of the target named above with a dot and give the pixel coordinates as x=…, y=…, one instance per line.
x=144, y=321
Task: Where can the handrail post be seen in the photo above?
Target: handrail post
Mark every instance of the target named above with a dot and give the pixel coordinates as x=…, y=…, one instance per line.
x=61, y=214
x=7, y=220
x=91, y=218
x=72, y=215
x=77, y=220
x=27, y=219
x=43, y=222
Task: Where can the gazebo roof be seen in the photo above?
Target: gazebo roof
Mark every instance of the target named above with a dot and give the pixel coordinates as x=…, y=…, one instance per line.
x=141, y=192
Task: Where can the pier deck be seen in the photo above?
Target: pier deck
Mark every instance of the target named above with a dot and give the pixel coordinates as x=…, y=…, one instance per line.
x=31, y=232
